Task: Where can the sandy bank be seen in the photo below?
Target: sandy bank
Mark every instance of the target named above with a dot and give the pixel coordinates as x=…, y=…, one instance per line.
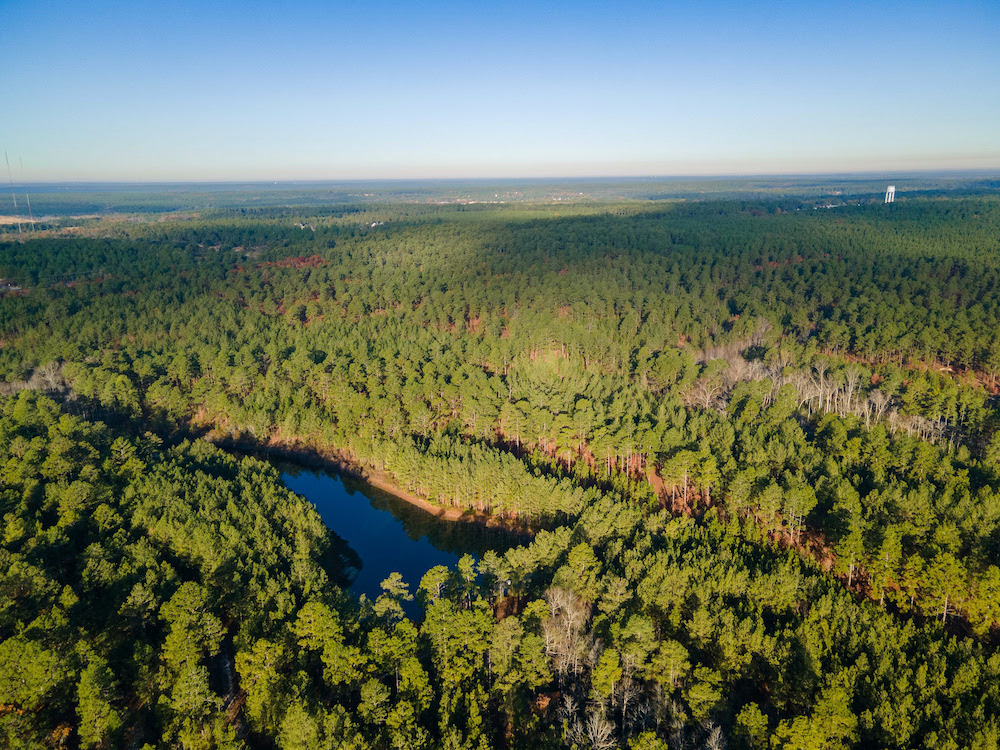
x=339, y=462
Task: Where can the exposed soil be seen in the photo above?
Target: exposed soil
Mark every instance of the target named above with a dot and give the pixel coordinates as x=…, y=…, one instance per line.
x=342, y=463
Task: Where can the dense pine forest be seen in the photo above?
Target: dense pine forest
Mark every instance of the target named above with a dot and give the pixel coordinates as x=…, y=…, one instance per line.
x=749, y=448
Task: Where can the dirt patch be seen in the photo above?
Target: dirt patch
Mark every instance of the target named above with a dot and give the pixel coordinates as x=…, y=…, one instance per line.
x=301, y=261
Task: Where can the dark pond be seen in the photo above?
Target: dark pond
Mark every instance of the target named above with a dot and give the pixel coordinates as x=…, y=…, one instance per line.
x=387, y=533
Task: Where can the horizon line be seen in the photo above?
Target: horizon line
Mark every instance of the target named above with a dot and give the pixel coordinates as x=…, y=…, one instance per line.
x=859, y=174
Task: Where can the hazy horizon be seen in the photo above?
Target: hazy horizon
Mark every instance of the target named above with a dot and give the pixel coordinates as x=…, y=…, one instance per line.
x=984, y=166
x=544, y=179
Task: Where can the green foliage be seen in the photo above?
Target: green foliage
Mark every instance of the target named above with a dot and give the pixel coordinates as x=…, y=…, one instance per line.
x=115, y=608
x=765, y=513
x=99, y=721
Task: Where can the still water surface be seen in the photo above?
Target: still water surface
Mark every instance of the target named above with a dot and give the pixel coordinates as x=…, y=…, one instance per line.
x=387, y=533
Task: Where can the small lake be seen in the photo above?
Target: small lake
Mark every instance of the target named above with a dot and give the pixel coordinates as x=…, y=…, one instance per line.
x=386, y=532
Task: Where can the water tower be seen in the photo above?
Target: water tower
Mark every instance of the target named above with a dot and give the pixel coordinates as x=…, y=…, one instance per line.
x=890, y=194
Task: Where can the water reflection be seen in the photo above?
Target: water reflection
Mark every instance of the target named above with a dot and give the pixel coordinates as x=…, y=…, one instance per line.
x=387, y=533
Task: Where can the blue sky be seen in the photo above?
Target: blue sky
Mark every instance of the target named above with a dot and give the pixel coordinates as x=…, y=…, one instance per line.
x=212, y=90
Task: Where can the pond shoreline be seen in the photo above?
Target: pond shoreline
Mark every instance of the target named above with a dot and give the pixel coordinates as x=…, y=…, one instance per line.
x=342, y=464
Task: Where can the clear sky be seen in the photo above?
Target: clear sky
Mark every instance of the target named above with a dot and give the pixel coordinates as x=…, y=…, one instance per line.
x=213, y=90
